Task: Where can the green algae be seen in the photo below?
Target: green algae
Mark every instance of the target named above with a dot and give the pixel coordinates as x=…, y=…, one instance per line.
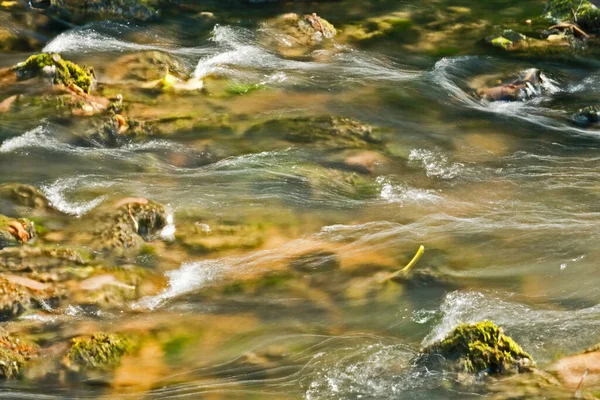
x=481, y=347
x=66, y=72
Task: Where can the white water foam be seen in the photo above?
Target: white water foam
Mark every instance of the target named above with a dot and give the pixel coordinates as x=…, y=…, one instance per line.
x=56, y=194
x=402, y=193
x=436, y=164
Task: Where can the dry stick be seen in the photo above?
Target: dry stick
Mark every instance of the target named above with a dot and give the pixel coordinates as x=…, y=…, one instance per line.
x=577, y=391
x=411, y=264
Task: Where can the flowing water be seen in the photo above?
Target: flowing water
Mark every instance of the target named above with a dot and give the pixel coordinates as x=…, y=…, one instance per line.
x=504, y=196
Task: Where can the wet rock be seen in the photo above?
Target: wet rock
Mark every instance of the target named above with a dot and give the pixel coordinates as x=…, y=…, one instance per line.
x=15, y=232
x=84, y=10
x=101, y=351
x=14, y=299
x=18, y=199
x=14, y=354
x=581, y=12
x=587, y=116
x=578, y=368
x=132, y=222
x=309, y=29
x=337, y=132
x=527, y=85
x=117, y=130
x=53, y=68
x=477, y=348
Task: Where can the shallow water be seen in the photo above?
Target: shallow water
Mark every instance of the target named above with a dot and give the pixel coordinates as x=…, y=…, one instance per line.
x=504, y=197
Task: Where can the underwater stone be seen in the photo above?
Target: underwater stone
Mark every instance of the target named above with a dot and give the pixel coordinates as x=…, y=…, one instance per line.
x=480, y=347
x=588, y=115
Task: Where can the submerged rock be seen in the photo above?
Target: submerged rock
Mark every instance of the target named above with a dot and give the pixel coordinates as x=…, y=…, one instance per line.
x=145, y=66
x=295, y=35
x=57, y=70
x=588, y=115
x=101, y=351
x=15, y=232
x=528, y=84
x=479, y=347
x=337, y=132
x=116, y=131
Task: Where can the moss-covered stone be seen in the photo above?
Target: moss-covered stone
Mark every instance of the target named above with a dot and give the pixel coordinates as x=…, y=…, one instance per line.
x=14, y=299
x=15, y=232
x=337, y=132
x=481, y=347
x=581, y=12
x=100, y=351
x=52, y=66
x=130, y=224
x=14, y=354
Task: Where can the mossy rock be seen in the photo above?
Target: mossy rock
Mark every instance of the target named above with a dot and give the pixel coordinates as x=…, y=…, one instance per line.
x=129, y=225
x=480, y=347
x=14, y=354
x=581, y=12
x=101, y=351
x=309, y=29
x=338, y=132
x=53, y=66
x=15, y=232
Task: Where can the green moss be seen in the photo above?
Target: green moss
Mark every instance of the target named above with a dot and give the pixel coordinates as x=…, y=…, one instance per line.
x=101, y=351
x=66, y=72
x=14, y=353
x=481, y=347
